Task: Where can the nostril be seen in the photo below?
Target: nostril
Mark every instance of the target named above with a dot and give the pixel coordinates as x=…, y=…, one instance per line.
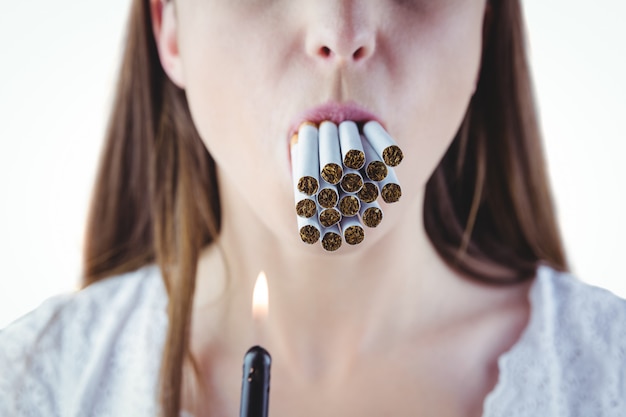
x=325, y=51
x=358, y=54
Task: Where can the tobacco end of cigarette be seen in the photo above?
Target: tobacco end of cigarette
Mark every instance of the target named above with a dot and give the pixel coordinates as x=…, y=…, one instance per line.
x=352, y=183
x=349, y=206
x=391, y=193
x=392, y=155
x=327, y=198
x=372, y=217
x=309, y=234
x=376, y=171
x=306, y=208
x=369, y=193
x=331, y=241
x=308, y=185
x=332, y=173
x=354, y=235
x=354, y=159
x=329, y=217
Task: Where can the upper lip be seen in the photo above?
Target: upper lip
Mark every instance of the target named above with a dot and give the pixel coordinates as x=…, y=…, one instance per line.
x=334, y=112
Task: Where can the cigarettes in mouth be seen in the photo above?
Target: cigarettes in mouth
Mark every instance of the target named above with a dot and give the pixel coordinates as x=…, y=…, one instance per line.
x=331, y=240
x=349, y=205
x=309, y=230
x=353, y=232
x=330, y=153
x=329, y=217
x=352, y=181
x=371, y=214
x=375, y=168
x=390, y=189
x=384, y=144
x=338, y=174
x=369, y=193
x=308, y=166
x=351, y=146
x=328, y=197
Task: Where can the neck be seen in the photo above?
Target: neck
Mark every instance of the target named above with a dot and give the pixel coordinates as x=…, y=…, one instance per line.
x=323, y=306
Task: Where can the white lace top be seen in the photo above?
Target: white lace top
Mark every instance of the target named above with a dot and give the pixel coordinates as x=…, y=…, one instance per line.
x=97, y=353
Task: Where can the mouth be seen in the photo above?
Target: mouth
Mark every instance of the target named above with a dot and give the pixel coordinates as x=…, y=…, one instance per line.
x=334, y=112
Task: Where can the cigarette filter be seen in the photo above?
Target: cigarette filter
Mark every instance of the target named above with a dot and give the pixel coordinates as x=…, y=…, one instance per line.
x=369, y=192
x=329, y=217
x=309, y=229
x=330, y=153
x=351, y=146
x=331, y=241
x=352, y=181
x=353, y=232
x=390, y=189
x=349, y=205
x=371, y=214
x=383, y=143
x=375, y=168
x=328, y=195
x=308, y=166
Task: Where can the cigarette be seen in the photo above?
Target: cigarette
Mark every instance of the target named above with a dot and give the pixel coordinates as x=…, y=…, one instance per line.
x=383, y=143
x=331, y=241
x=371, y=214
x=330, y=153
x=353, y=232
x=309, y=230
x=349, y=205
x=351, y=147
x=352, y=181
x=390, y=189
x=369, y=192
x=308, y=166
x=328, y=195
x=375, y=168
x=305, y=206
x=329, y=217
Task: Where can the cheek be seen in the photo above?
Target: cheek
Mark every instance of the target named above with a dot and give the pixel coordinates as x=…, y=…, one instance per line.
x=440, y=76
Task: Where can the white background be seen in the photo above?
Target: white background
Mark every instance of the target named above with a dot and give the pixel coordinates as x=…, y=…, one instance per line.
x=58, y=61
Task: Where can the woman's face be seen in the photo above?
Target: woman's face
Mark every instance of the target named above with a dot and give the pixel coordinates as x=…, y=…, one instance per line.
x=250, y=68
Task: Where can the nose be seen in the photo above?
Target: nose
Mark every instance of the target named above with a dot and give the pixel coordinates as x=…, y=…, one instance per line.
x=340, y=31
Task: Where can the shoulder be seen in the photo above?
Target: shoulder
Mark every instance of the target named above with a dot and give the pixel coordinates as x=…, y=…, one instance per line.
x=63, y=357
x=571, y=359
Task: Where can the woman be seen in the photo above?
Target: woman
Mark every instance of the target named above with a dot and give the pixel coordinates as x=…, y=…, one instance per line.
x=454, y=306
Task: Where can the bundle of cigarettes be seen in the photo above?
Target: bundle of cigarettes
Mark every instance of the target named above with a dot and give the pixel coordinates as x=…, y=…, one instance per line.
x=339, y=172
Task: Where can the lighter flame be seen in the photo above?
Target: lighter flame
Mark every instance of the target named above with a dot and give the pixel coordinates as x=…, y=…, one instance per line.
x=260, y=298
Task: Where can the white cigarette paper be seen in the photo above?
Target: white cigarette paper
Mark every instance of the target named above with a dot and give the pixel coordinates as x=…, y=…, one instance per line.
x=330, y=153
x=390, y=189
x=352, y=230
x=371, y=214
x=375, y=168
x=352, y=152
x=310, y=230
x=308, y=167
x=383, y=143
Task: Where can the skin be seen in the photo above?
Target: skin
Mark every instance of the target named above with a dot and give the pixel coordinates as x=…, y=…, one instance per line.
x=384, y=328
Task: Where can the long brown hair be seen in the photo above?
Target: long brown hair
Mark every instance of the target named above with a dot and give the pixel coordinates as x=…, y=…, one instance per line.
x=487, y=209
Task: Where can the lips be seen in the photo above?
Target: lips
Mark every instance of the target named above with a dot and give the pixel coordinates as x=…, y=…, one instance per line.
x=333, y=112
